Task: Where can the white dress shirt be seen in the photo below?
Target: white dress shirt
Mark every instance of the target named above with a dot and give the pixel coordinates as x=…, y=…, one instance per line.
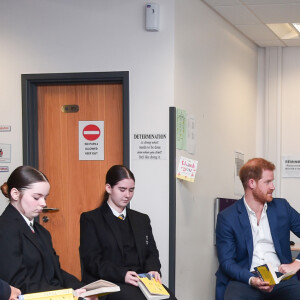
x=263, y=246
x=117, y=214
x=28, y=221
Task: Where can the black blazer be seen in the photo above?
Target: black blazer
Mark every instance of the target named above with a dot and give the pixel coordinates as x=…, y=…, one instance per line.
x=22, y=258
x=4, y=290
x=101, y=249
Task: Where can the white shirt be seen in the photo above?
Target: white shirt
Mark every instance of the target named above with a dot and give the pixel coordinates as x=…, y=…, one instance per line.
x=263, y=246
x=117, y=213
x=27, y=220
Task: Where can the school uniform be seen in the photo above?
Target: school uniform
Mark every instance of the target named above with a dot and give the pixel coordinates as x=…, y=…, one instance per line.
x=5, y=290
x=28, y=260
x=110, y=247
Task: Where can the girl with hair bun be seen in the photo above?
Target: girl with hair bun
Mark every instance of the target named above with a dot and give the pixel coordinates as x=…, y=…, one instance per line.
x=28, y=260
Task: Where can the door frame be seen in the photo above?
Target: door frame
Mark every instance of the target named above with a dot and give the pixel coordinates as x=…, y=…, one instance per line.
x=30, y=82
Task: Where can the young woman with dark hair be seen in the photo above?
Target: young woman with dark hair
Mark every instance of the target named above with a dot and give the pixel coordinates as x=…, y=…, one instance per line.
x=28, y=260
x=116, y=242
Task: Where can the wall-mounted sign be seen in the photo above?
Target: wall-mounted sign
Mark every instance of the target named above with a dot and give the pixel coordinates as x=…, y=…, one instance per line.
x=187, y=169
x=5, y=150
x=180, y=129
x=238, y=163
x=290, y=166
x=149, y=146
x=91, y=140
x=4, y=169
x=4, y=128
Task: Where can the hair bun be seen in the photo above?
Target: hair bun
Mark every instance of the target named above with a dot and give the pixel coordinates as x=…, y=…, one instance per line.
x=4, y=189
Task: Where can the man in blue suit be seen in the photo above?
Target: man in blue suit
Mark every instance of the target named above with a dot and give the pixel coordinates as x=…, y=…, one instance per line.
x=254, y=231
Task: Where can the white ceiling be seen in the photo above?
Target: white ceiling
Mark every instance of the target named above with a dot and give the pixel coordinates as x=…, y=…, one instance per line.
x=250, y=17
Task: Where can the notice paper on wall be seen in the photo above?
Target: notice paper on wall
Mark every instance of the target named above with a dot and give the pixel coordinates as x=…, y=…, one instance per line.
x=91, y=140
x=5, y=153
x=290, y=166
x=191, y=134
x=5, y=128
x=180, y=129
x=4, y=169
x=187, y=169
x=238, y=163
x=149, y=146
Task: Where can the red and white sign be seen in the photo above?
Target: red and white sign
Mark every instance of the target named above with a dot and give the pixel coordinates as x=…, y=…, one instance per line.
x=91, y=140
x=91, y=132
x=5, y=153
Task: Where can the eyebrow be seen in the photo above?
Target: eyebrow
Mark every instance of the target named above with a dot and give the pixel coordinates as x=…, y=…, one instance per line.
x=39, y=194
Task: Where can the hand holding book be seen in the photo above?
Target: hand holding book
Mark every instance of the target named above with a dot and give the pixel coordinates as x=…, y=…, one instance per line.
x=292, y=267
x=267, y=273
x=155, y=275
x=263, y=286
x=90, y=291
x=152, y=288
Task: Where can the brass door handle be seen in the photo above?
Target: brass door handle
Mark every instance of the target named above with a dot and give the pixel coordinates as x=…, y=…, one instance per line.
x=49, y=209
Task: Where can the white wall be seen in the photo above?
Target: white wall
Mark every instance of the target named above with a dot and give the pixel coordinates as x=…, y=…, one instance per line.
x=52, y=36
x=281, y=114
x=216, y=81
x=209, y=70
x=289, y=112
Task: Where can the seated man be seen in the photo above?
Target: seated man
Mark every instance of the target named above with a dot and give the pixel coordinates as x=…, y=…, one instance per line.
x=254, y=231
x=8, y=292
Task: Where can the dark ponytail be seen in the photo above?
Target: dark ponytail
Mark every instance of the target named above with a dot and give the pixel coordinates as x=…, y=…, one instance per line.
x=115, y=174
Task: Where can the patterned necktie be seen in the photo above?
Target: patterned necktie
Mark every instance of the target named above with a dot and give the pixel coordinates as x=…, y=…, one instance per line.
x=31, y=227
x=121, y=217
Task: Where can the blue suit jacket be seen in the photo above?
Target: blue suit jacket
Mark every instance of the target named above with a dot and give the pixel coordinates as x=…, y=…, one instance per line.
x=235, y=243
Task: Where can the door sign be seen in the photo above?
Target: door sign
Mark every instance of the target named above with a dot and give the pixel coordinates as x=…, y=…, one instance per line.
x=91, y=140
x=91, y=132
x=5, y=153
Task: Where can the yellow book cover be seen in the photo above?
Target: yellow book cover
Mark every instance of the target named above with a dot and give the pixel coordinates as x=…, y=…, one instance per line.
x=267, y=273
x=63, y=294
x=153, y=286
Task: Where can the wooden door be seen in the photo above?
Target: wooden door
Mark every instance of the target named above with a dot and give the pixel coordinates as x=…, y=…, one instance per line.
x=76, y=186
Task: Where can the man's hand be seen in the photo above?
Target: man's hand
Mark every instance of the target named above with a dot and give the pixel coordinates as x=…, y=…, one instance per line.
x=131, y=277
x=14, y=293
x=293, y=267
x=261, y=285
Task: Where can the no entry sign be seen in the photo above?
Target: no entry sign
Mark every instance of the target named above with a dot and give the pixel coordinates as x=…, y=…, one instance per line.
x=91, y=132
x=91, y=140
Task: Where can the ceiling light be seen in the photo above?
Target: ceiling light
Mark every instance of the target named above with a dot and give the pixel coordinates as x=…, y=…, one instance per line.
x=284, y=31
x=297, y=26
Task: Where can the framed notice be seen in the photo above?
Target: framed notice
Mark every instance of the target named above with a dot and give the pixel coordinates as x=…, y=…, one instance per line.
x=5, y=153
x=91, y=140
x=290, y=166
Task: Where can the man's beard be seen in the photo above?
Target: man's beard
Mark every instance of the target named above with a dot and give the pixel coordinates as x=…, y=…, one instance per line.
x=260, y=196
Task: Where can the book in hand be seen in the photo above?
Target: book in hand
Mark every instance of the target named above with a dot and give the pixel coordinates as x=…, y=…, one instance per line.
x=151, y=288
x=97, y=288
x=100, y=288
x=63, y=294
x=267, y=273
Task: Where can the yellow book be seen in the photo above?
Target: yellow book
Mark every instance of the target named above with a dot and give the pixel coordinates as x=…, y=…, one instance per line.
x=97, y=288
x=267, y=273
x=63, y=294
x=151, y=288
